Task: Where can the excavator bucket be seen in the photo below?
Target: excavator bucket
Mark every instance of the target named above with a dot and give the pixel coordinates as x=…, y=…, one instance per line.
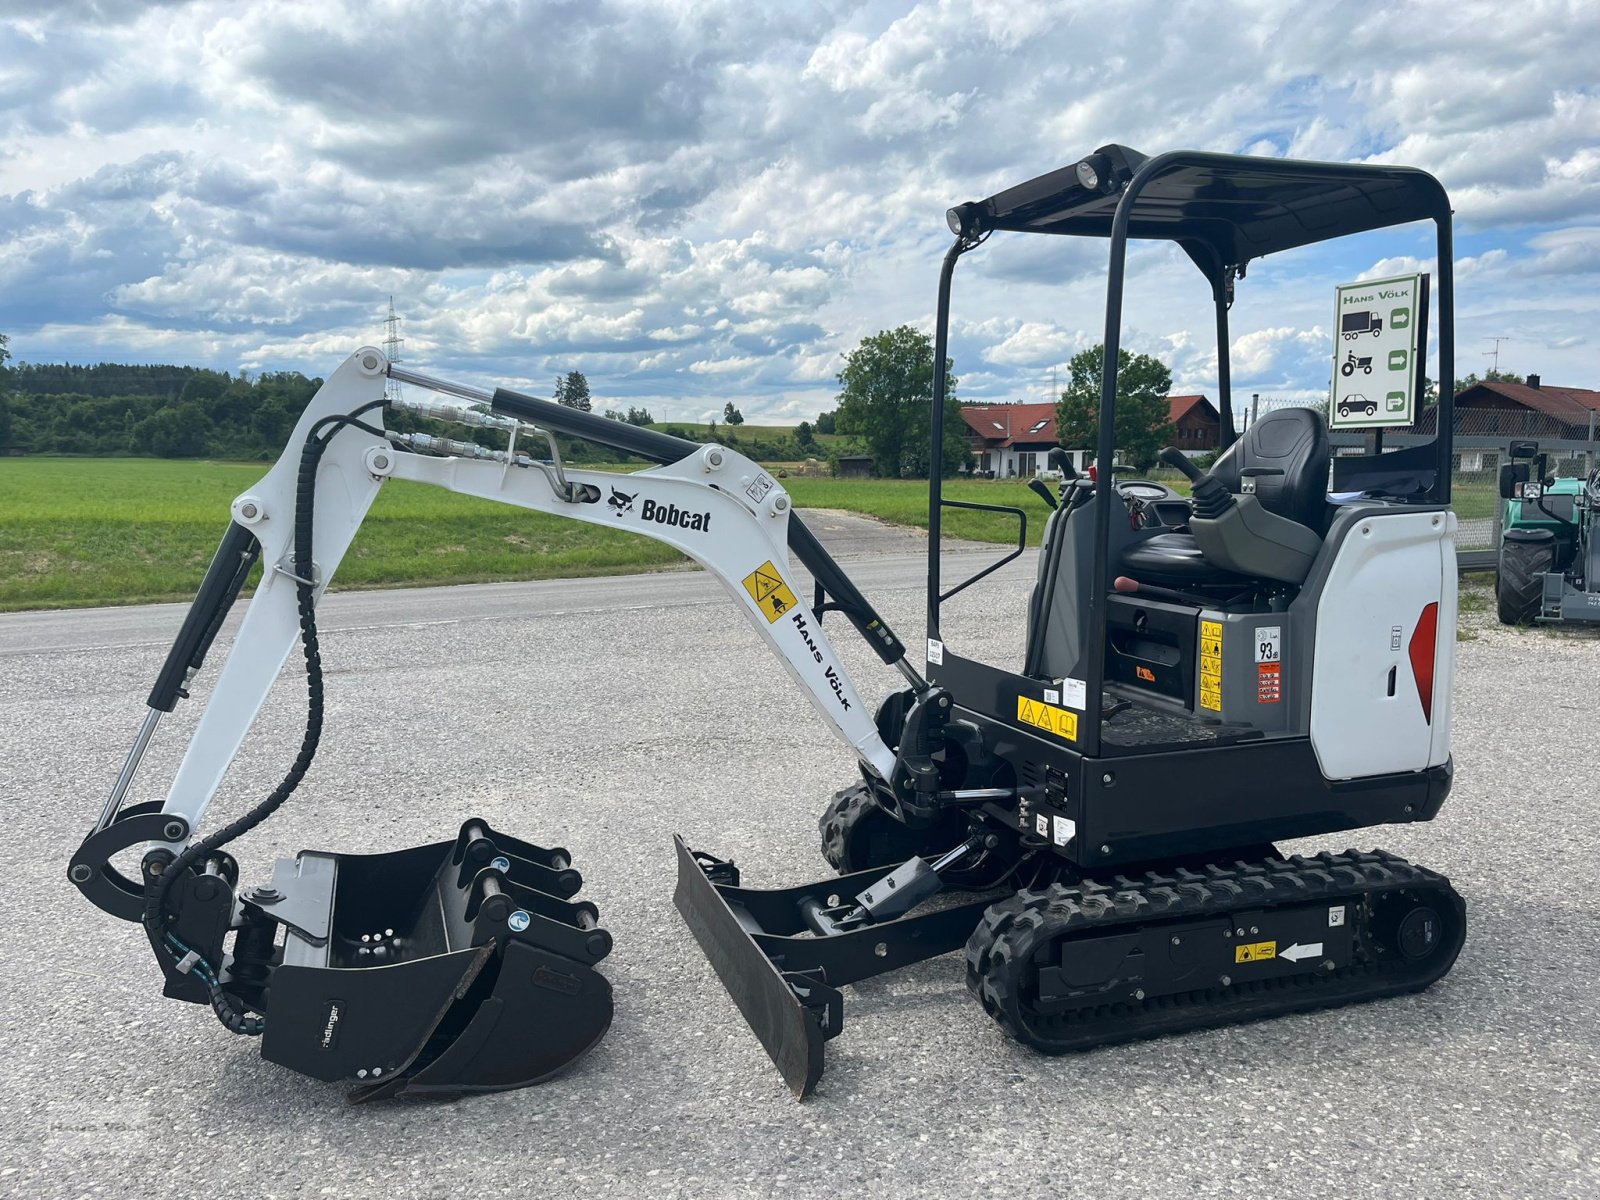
x=448, y=968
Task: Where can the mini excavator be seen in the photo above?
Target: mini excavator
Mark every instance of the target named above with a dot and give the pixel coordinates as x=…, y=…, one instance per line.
x=1269, y=658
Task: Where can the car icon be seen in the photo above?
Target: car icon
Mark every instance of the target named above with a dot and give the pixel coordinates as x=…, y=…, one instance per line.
x=1358, y=404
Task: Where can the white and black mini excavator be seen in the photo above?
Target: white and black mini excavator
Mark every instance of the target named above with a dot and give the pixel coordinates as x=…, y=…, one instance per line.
x=1269, y=658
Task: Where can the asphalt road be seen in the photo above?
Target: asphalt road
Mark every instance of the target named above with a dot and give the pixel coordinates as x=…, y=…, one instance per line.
x=609, y=714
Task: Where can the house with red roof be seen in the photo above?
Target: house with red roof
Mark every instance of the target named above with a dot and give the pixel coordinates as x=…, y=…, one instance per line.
x=1014, y=440
x=1500, y=409
x=1533, y=409
x=1197, y=425
x=1011, y=440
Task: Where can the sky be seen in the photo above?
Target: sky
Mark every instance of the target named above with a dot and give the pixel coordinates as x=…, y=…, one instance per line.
x=698, y=202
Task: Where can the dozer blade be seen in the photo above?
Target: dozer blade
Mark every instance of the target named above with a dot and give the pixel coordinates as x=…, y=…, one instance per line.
x=441, y=969
x=782, y=957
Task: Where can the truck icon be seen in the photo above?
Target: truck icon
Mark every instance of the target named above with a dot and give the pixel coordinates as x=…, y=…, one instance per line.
x=1357, y=404
x=1353, y=325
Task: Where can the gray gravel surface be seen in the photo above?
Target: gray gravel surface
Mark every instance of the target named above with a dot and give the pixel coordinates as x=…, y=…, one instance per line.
x=609, y=714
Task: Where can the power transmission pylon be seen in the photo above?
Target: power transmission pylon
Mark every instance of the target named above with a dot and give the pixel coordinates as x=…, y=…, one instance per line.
x=392, y=341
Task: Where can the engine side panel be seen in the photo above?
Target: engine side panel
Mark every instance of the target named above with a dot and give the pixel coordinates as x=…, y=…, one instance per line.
x=1385, y=647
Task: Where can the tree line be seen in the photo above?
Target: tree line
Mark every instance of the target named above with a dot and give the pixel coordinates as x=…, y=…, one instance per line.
x=883, y=410
x=169, y=411
x=164, y=411
x=885, y=396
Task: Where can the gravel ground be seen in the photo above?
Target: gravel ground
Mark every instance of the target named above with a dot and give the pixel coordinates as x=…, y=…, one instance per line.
x=563, y=716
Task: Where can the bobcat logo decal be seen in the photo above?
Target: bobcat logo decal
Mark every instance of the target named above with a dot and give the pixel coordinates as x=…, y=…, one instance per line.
x=621, y=502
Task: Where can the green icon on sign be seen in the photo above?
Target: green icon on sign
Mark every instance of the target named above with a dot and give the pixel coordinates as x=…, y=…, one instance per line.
x=1397, y=360
x=1394, y=402
x=1399, y=318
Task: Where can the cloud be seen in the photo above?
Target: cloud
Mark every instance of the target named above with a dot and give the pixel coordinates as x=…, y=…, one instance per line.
x=1035, y=344
x=729, y=196
x=1574, y=250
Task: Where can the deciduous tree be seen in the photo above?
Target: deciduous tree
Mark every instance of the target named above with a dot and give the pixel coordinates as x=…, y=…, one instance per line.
x=886, y=398
x=1142, y=385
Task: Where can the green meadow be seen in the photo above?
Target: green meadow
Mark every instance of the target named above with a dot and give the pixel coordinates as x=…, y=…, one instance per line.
x=95, y=531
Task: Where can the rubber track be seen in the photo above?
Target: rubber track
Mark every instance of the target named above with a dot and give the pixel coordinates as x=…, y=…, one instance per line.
x=1002, y=950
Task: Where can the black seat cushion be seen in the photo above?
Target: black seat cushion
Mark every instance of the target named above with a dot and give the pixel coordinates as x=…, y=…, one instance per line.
x=1294, y=441
x=1291, y=440
x=1173, y=560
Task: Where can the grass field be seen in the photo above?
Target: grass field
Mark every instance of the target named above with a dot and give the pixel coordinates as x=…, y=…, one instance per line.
x=128, y=531
x=76, y=532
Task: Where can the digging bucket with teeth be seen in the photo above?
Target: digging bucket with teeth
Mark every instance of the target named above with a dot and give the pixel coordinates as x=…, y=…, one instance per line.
x=448, y=968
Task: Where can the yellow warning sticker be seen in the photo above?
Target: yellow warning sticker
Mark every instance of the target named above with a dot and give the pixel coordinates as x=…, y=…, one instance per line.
x=1255, y=952
x=1048, y=718
x=769, y=591
x=1211, y=669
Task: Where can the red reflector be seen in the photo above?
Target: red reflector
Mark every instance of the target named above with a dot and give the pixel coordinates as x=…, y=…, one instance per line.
x=1423, y=641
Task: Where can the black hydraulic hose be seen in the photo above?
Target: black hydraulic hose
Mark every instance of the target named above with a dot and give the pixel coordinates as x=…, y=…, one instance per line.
x=227, y=1009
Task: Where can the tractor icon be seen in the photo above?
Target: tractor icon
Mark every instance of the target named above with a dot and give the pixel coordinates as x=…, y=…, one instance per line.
x=1358, y=404
x=1352, y=364
x=1353, y=325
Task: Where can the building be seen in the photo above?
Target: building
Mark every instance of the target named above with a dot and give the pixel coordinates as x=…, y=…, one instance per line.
x=1014, y=440
x=1197, y=425
x=1496, y=411
x=1496, y=408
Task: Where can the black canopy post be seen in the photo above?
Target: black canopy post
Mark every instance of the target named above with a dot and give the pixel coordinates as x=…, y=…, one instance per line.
x=1104, y=492
x=1221, y=285
x=1444, y=435
x=941, y=348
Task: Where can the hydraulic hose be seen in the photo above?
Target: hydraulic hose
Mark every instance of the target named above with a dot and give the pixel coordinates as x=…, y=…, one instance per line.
x=228, y=1010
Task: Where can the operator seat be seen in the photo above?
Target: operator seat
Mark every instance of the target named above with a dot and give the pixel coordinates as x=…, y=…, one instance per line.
x=1291, y=440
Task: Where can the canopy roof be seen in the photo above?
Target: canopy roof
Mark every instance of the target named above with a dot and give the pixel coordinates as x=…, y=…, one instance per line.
x=1223, y=209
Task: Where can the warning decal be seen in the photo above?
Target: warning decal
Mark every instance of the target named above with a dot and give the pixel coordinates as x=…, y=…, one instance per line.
x=1211, y=667
x=1255, y=952
x=768, y=590
x=1048, y=717
x=1269, y=683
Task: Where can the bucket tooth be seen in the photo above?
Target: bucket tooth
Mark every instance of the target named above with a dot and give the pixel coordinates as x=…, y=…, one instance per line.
x=442, y=969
